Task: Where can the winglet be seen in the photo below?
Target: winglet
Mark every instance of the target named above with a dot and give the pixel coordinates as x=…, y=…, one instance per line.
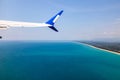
x=53, y=20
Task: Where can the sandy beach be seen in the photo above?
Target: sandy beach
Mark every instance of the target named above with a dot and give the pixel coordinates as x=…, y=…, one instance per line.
x=99, y=48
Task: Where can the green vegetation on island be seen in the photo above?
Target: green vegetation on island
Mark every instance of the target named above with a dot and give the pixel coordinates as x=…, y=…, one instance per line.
x=111, y=46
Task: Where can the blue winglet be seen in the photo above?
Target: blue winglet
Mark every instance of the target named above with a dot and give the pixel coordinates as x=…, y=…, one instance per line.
x=53, y=20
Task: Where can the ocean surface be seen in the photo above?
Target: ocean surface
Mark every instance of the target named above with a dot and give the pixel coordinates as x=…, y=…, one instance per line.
x=59, y=60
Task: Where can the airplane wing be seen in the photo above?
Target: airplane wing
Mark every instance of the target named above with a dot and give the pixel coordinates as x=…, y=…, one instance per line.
x=4, y=24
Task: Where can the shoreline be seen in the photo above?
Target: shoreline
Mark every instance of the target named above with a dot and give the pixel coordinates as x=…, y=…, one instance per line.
x=117, y=53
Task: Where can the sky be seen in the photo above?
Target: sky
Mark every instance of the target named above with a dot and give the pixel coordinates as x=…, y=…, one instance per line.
x=81, y=20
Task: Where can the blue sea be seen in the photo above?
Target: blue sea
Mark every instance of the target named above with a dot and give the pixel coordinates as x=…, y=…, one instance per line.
x=56, y=60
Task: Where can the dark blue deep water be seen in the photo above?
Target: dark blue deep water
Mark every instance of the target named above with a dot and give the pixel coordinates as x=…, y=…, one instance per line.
x=35, y=60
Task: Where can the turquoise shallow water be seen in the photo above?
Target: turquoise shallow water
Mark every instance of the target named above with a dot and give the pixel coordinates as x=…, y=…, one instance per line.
x=34, y=60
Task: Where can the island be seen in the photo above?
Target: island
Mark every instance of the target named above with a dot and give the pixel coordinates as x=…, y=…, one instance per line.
x=111, y=46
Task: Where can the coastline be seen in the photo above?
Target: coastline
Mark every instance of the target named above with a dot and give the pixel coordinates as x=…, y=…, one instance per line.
x=100, y=48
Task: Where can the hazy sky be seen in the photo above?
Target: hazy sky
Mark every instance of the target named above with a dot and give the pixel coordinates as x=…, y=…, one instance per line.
x=81, y=20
